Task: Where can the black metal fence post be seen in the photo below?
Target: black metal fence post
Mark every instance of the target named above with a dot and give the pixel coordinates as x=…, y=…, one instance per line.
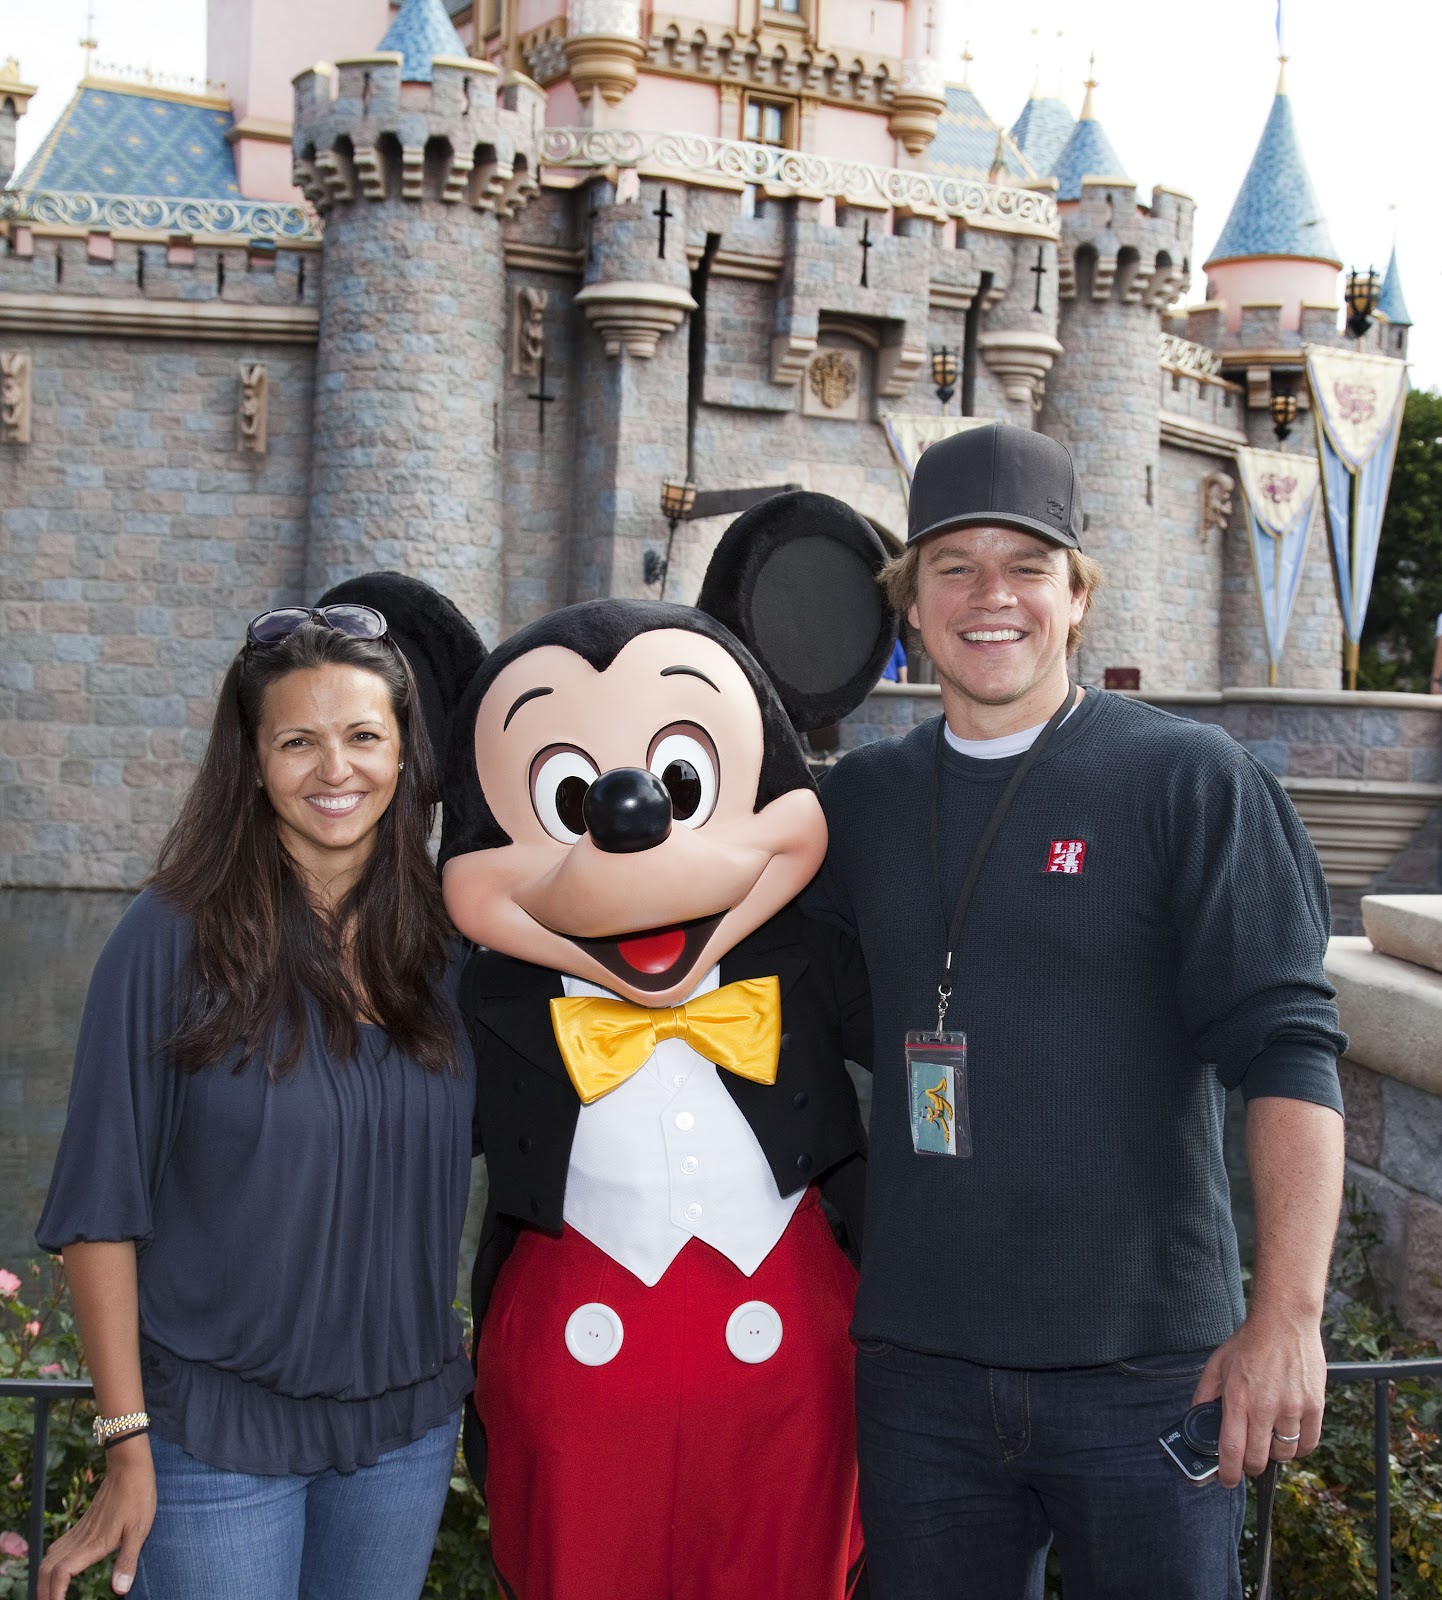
x=42, y=1393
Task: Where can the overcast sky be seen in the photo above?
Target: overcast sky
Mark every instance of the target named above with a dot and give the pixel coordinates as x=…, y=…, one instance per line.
x=1183, y=93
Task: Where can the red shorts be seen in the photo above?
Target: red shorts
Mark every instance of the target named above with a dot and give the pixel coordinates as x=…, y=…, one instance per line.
x=675, y=1470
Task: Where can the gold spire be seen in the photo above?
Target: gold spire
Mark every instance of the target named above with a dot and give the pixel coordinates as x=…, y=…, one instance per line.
x=1282, y=73
x=966, y=60
x=1088, y=114
x=89, y=44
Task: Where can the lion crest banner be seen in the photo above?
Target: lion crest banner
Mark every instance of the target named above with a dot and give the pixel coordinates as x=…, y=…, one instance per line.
x=1357, y=403
x=1280, y=492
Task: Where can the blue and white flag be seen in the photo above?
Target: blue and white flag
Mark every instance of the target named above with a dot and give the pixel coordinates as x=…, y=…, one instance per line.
x=1357, y=403
x=1280, y=491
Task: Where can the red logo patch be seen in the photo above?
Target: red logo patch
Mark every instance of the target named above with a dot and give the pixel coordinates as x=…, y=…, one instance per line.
x=1066, y=855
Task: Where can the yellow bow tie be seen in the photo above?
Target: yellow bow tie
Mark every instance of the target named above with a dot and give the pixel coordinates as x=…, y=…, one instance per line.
x=603, y=1042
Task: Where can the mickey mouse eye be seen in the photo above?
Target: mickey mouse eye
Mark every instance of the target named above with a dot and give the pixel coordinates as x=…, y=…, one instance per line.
x=684, y=759
x=560, y=777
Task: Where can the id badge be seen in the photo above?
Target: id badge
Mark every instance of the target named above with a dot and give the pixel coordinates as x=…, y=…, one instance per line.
x=936, y=1085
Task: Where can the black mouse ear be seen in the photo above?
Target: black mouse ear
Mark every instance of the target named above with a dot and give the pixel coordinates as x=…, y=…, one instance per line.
x=794, y=579
x=443, y=649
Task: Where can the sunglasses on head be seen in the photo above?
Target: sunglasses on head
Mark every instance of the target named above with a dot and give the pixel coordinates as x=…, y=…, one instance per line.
x=271, y=627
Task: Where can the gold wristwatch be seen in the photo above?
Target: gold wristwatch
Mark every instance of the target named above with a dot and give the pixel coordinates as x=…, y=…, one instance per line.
x=108, y=1430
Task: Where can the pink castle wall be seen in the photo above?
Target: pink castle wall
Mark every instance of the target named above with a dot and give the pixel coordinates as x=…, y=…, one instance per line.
x=1271, y=282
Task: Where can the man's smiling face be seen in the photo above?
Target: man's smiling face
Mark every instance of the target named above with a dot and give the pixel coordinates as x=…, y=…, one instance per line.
x=646, y=920
x=994, y=606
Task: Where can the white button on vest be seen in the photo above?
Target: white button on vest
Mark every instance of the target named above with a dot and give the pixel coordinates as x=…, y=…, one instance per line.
x=753, y=1332
x=685, y=1121
x=679, y=1081
x=693, y=1212
x=690, y=1164
x=593, y=1334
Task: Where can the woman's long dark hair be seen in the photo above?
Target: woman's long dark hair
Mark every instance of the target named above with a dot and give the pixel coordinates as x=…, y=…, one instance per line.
x=260, y=945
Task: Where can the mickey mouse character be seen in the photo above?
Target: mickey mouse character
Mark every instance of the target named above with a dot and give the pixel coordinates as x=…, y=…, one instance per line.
x=664, y=1375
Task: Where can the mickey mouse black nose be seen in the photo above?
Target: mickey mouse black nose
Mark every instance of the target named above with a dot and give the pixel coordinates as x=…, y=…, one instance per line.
x=627, y=809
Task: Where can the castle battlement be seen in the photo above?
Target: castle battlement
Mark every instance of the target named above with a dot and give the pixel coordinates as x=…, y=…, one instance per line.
x=1121, y=250
x=468, y=136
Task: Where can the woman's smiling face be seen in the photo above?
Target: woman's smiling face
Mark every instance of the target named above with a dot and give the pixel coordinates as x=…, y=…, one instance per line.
x=329, y=753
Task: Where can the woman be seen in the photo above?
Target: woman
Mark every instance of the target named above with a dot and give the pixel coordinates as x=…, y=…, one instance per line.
x=261, y=1185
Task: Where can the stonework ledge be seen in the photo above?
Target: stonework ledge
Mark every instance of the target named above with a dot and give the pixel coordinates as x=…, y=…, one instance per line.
x=1407, y=926
x=1021, y=359
x=1391, y=1011
x=633, y=316
x=1360, y=825
x=157, y=319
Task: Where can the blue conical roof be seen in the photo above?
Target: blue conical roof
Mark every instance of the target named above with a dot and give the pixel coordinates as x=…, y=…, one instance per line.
x=1041, y=132
x=965, y=145
x=420, y=31
x=1276, y=211
x=1392, y=303
x=1087, y=153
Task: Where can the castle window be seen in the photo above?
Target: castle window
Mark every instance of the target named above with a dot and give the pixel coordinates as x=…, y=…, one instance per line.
x=786, y=8
x=768, y=121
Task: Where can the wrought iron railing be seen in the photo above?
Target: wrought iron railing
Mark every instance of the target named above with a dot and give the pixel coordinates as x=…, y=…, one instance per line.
x=44, y=1392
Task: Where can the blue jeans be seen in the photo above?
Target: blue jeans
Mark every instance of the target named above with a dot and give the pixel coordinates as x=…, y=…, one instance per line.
x=363, y=1535
x=969, y=1473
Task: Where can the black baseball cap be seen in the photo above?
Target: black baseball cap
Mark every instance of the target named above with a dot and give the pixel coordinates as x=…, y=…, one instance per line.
x=1001, y=476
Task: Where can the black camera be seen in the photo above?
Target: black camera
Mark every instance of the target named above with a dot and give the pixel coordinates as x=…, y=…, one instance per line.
x=1193, y=1444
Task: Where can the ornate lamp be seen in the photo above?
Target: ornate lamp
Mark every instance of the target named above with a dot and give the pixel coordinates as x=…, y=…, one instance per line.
x=1362, y=292
x=678, y=495
x=944, y=369
x=1283, y=409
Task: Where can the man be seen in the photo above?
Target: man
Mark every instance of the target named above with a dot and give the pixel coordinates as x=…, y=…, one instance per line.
x=1146, y=928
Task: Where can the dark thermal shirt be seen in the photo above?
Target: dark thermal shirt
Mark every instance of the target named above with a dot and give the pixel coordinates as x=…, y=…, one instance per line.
x=1105, y=1010
x=296, y=1239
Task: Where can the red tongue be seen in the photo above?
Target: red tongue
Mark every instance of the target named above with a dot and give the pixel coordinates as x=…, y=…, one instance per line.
x=653, y=952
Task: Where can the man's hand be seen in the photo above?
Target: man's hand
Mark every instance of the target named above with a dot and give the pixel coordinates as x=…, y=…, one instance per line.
x=118, y=1518
x=1271, y=1377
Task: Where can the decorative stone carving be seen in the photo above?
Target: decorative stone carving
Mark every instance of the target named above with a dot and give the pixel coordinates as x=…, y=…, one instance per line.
x=1193, y=360
x=896, y=366
x=1217, y=490
x=528, y=340
x=1021, y=359
x=253, y=419
x=14, y=397
x=790, y=353
x=920, y=100
x=833, y=385
x=999, y=208
x=603, y=47
x=633, y=316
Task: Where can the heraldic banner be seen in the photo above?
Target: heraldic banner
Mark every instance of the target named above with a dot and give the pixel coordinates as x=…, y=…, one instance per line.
x=1357, y=402
x=908, y=436
x=1280, y=491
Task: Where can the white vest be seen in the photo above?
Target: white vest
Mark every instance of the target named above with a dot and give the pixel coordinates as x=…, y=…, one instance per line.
x=667, y=1157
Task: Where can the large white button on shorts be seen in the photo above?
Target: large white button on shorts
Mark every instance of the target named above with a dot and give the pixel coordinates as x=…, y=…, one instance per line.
x=753, y=1332
x=593, y=1334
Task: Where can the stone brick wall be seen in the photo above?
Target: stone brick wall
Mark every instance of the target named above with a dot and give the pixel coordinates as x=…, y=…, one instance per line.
x=1189, y=574
x=135, y=542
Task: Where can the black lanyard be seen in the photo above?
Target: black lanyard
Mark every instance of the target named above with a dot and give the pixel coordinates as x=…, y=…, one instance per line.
x=984, y=844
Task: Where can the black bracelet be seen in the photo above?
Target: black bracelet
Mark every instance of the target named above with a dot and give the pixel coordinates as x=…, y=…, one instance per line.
x=120, y=1438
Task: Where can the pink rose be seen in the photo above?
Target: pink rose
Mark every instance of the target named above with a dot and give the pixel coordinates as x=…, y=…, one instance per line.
x=9, y=1288
x=11, y=1544
x=32, y=1329
x=52, y=1369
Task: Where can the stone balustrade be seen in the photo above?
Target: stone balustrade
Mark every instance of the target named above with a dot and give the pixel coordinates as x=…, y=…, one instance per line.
x=1389, y=994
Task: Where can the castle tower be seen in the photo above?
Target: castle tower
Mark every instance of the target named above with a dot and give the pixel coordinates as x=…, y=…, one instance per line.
x=412, y=154
x=1118, y=264
x=1042, y=130
x=1392, y=304
x=14, y=102
x=1275, y=249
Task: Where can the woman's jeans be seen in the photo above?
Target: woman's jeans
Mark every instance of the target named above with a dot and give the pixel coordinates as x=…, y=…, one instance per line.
x=969, y=1473
x=363, y=1535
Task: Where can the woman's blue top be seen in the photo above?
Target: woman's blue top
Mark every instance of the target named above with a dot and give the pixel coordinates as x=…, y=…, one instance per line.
x=296, y=1239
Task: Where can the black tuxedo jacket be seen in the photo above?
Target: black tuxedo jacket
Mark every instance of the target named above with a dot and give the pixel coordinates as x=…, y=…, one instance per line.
x=807, y=1122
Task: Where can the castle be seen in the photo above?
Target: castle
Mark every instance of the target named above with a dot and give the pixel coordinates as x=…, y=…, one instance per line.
x=461, y=301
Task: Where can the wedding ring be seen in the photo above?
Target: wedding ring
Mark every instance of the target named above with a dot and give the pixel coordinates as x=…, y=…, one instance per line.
x=1285, y=1438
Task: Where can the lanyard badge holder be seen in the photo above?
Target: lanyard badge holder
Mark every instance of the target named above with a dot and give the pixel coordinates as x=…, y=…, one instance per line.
x=936, y=1079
